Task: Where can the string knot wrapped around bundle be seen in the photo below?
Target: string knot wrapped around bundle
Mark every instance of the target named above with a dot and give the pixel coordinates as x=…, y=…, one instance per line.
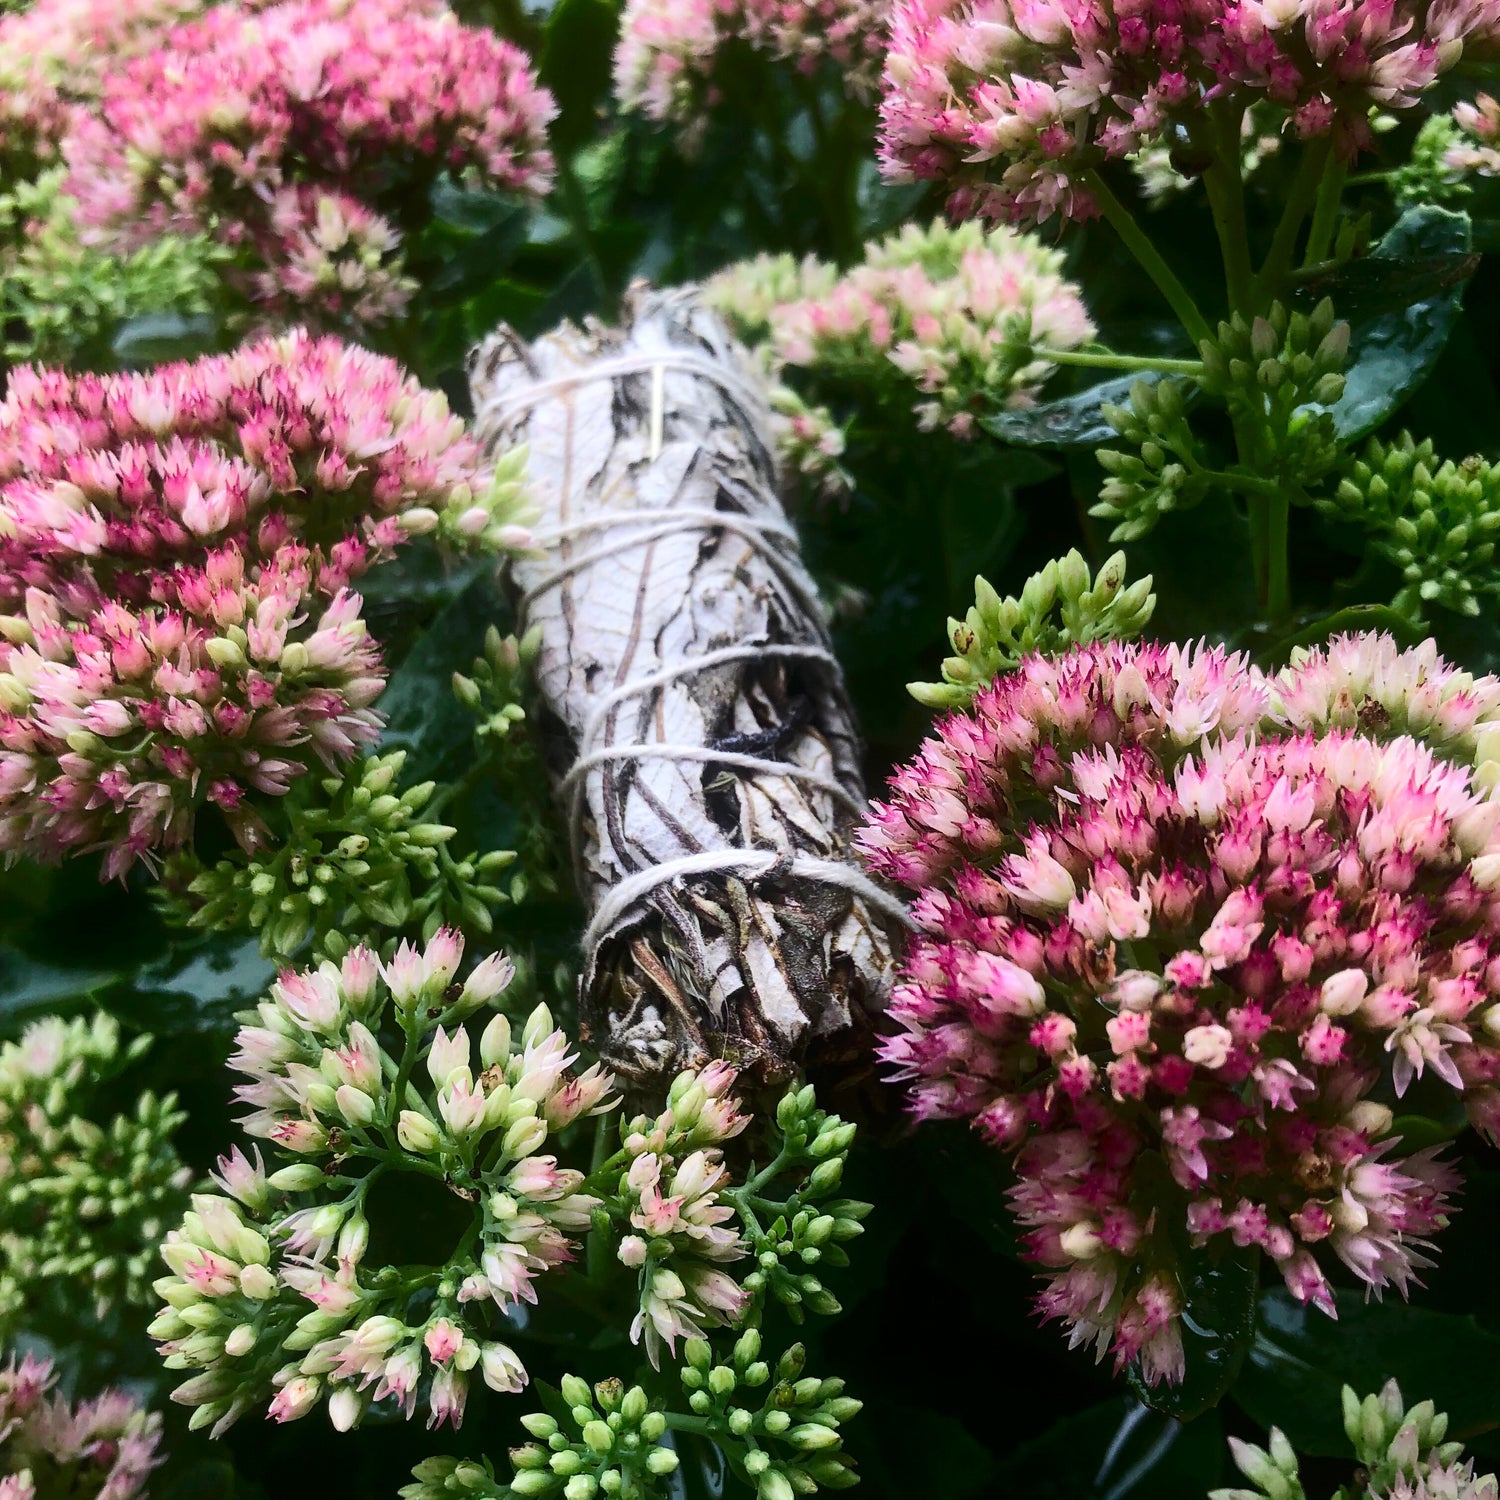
x=702, y=743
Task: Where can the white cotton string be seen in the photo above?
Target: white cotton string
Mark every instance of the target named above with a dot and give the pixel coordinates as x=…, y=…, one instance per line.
x=749, y=862
x=689, y=667
x=658, y=366
x=709, y=756
x=655, y=525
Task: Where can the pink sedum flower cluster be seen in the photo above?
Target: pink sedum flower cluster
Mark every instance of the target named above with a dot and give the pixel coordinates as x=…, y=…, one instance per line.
x=232, y=117
x=680, y=1229
x=671, y=51
x=1184, y=937
x=55, y=54
x=1014, y=101
x=108, y=483
x=1477, y=147
x=117, y=728
x=103, y=1449
x=965, y=316
x=175, y=554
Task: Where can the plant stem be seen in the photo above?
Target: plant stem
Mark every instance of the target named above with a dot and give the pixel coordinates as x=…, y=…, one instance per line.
x=1299, y=203
x=1226, y=197
x=481, y=766
x=1326, y=214
x=1278, y=597
x=1140, y=245
x=1107, y=359
x=403, y=1074
x=681, y=1421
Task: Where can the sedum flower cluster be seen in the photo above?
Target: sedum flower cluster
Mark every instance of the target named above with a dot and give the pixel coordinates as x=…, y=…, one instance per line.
x=1401, y=1452
x=1015, y=103
x=363, y=1071
x=84, y=1198
x=357, y=852
x=671, y=52
x=54, y=56
x=278, y=131
x=1185, y=936
x=777, y=1428
x=1474, y=143
x=176, y=549
x=270, y=1298
x=967, y=317
x=100, y=1449
x=63, y=300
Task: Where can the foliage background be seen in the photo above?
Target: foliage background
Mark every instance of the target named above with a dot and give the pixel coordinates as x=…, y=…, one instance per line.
x=965, y=1395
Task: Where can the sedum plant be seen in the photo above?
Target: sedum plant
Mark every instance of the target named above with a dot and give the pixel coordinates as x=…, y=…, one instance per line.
x=85, y=1196
x=1401, y=1452
x=361, y=1073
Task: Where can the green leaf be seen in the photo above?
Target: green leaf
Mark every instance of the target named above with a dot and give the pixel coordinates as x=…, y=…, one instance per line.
x=30, y=988
x=422, y=715
x=1218, y=1328
x=155, y=338
x=575, y=63
x=1402, y=302
x=1071, y=422
x=1118, y=1450
x=1301, y=1359
x=1272, y=645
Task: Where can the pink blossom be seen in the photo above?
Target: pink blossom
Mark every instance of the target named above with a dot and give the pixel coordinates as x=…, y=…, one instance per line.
x=962, y=317
x=109, y=1441
x=1264, y=924
x=669, y=50
x=1011, y=101
x=108, y=483
x=266, y=128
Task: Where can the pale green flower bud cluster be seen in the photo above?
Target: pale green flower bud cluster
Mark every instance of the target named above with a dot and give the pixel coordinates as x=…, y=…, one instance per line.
x=608, y=1442
x=83, y=1201
x=1437, y=169
x=778, y=1428
x=358, y=853
x=1162, y=469
x=1277, y=376
x=357, y=1070
x=1435, y=520
x=810, y=440
x=1060, y=607
x=674, y=1201
x=61, y=300
x=493, y=690
x=1401, y=1451
x=798, y=1236
x=496, y=519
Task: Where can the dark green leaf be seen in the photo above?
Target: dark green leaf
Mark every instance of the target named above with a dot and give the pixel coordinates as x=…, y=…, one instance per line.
x=473, y=210
x=1218, y=1327
x=30, y=987
x=1273, y=644
x=1071, y=422
x=1402, y=302
x=1300, y=1359
x=422, y=715
x=154, y=338
x=1118, y=1450
x=575, y=63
